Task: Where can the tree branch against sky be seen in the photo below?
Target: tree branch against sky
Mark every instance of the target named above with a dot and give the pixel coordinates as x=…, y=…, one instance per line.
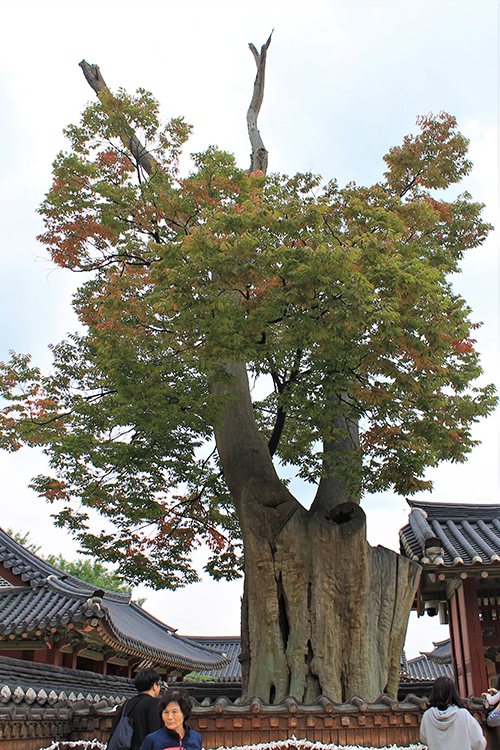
x=427, y=83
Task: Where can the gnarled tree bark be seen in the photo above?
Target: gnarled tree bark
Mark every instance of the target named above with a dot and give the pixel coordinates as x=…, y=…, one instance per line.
x=323, y=612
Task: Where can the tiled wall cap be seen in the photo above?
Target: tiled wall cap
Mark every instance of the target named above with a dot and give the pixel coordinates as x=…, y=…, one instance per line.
x=30, y=696
x=18, y=695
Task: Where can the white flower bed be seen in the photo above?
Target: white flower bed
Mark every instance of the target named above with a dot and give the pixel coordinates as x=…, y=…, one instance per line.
x=295, y=744
x=81, y=744
x=291, y=744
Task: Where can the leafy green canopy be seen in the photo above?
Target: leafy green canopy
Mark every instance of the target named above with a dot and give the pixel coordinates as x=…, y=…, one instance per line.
x=337, y=299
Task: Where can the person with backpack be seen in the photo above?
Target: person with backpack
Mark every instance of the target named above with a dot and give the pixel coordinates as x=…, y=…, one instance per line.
x=140, y=712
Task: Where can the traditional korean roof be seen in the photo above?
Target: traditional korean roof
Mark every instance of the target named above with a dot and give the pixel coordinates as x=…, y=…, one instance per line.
x=432, y=664
x=422, y=668
x=441, y=654
x=228, y=646
x=40, y=602
x=452, y=534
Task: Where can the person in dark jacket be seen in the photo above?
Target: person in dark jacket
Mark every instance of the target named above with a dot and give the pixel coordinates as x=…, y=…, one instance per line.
x=142, y=708
x=174, y=708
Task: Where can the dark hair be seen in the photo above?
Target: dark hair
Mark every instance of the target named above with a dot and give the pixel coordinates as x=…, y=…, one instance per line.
x=145, y=680
x=444, y=693
x=497, y=682
x=177, y=695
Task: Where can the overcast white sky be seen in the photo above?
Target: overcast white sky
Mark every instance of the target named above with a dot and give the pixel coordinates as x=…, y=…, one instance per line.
x=345, y=81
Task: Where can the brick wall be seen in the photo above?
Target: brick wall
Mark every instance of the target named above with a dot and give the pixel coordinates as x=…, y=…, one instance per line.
x=237, y=726
x=36, y=734
x=369, y=730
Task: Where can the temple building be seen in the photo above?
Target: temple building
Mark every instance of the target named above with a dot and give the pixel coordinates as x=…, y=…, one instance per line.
x=51, y=617
x=431, y=664
x=459, y=548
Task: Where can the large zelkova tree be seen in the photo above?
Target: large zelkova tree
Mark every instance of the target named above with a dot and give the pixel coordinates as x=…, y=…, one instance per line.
x=238, y=321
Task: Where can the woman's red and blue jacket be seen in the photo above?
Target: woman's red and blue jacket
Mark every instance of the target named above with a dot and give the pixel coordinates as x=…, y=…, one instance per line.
x=165, y=739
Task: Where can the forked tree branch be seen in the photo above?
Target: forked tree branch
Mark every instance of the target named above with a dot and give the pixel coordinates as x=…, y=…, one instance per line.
x=258, y=157
x=243, y=452
x=111, y=104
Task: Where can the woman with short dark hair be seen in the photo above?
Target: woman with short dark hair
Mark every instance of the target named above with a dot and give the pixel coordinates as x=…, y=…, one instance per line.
x=446, y=725
x=174, y=708
x=179, y=696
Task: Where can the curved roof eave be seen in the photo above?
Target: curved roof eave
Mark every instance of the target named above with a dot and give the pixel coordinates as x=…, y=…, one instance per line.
x=109, y=607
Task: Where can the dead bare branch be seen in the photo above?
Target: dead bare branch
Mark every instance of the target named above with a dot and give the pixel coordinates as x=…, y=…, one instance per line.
x=111, y=104
x=259, y=155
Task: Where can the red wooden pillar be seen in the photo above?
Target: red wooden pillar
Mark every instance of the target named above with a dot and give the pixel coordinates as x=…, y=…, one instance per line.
x=467, y=641
x=53, y=655
x=456, y=644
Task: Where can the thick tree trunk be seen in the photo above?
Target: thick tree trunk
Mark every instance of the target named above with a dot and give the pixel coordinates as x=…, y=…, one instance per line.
x=323, y=612
x=327, y=613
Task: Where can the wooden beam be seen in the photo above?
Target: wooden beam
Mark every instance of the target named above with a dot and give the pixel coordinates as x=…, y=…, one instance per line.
x=456, y=644
x=54, y=656
x=23, y=645
x=11, y=577
x=475, y=665
x=66, y=647
x=88, y=654
x=118, y=660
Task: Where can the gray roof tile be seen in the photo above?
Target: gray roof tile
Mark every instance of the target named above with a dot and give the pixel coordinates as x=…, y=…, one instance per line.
x=422, y=668
x=432, y=664
x=51, y=597
x=42, y=683
x=229, y=646
x=452, y=534
x=441, y=653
